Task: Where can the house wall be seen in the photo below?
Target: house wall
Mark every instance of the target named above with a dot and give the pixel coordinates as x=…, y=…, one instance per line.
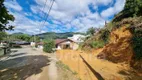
x=75, y=46
x=71, y=44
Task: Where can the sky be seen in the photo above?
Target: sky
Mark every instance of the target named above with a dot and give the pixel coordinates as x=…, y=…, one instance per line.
x=65, y=15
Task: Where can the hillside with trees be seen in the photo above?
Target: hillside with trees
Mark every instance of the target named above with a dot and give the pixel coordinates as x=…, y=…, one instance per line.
x=53, y=35
x=121, y=39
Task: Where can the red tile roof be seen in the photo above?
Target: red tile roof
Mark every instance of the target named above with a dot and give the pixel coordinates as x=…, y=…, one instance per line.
x=57, y=41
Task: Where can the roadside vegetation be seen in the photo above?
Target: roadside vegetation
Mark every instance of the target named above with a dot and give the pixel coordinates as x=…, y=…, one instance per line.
x=65, y=72
x=65, y=67
x=3, y=35
x=48, y=46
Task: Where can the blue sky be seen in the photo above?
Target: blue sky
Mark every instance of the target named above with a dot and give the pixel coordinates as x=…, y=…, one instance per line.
x=65, y=16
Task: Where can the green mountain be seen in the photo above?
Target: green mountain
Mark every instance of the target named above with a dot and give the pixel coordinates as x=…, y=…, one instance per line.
x=53, y=35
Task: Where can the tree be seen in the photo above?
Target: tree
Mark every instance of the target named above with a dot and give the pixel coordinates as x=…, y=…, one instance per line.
x=48, y=46
x=35, y=38
x=2, y=35
x=132, y=8
x=5, y=18
x=104, y=35
x=21, y=36
x=91, y=31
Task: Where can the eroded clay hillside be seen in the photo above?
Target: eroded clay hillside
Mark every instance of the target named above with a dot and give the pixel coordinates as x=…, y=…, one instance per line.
x=123, y=42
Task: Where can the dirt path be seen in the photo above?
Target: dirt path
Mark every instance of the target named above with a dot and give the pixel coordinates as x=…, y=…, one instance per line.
x=52, y=68
x=29, y=64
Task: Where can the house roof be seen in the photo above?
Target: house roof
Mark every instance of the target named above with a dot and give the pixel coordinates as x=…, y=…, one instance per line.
x=40, y=43
x=58, y=41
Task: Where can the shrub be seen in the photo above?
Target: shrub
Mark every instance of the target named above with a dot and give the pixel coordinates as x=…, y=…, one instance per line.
x=48, y=46
x=91, y=31
x=1, y=52
x=137, y=43
x=105, y=35
x=2, y=35
x=97, y=44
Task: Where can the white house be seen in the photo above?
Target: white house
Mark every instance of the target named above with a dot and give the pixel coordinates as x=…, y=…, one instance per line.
x=66, y=44
x=78, y=38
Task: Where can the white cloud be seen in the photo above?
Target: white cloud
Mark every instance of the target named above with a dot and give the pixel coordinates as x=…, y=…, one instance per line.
x=70, y=14
x=26, y=25
x=13, y=5
x=66, y=13
x=118, y=6
x=66, y=10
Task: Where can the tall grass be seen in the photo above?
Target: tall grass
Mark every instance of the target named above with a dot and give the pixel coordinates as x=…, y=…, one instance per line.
x=97, y=44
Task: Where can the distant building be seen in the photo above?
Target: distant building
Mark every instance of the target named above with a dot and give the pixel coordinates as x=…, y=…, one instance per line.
x=78, y=38
x=69, y=43
x=33, y=44
x=66, y=44
x=40, y=45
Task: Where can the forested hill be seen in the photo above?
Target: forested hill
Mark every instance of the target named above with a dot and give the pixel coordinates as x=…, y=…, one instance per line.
x=54, y=35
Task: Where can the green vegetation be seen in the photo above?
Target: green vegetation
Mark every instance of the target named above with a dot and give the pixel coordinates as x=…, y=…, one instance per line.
x=23, y=37
x=137, y=46
x=1, y=51
x=75, y=73
x=133, y=8
x=48, y=46
x=3, y=35
x=53, y=35
x=34, y=39
x=91, y=31
x=137, y=40
x=20, y=36
x=5, y=18
x=98, y=41
x=104, y=36
x=62, y=65
x=97, y=44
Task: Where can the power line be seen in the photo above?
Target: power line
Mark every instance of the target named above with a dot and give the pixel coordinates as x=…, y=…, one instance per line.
x=43, y=14
x=42, y=17
x=46, y=17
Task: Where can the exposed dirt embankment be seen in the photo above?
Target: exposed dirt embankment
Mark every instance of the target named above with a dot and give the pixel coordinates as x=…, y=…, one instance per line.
x=119, y=48
x=125, y=44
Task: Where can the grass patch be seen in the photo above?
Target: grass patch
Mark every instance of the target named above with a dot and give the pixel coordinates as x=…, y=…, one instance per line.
x=65, y=67
x=97, y=44
x=1, y=51
x=75, y=73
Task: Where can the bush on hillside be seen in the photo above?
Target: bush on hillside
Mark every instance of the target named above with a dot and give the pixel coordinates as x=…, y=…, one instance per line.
x=105, y=35
x=132, y=8
x=48, y=46
x=137, y=42
x=91, y=31
x=97, y=44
